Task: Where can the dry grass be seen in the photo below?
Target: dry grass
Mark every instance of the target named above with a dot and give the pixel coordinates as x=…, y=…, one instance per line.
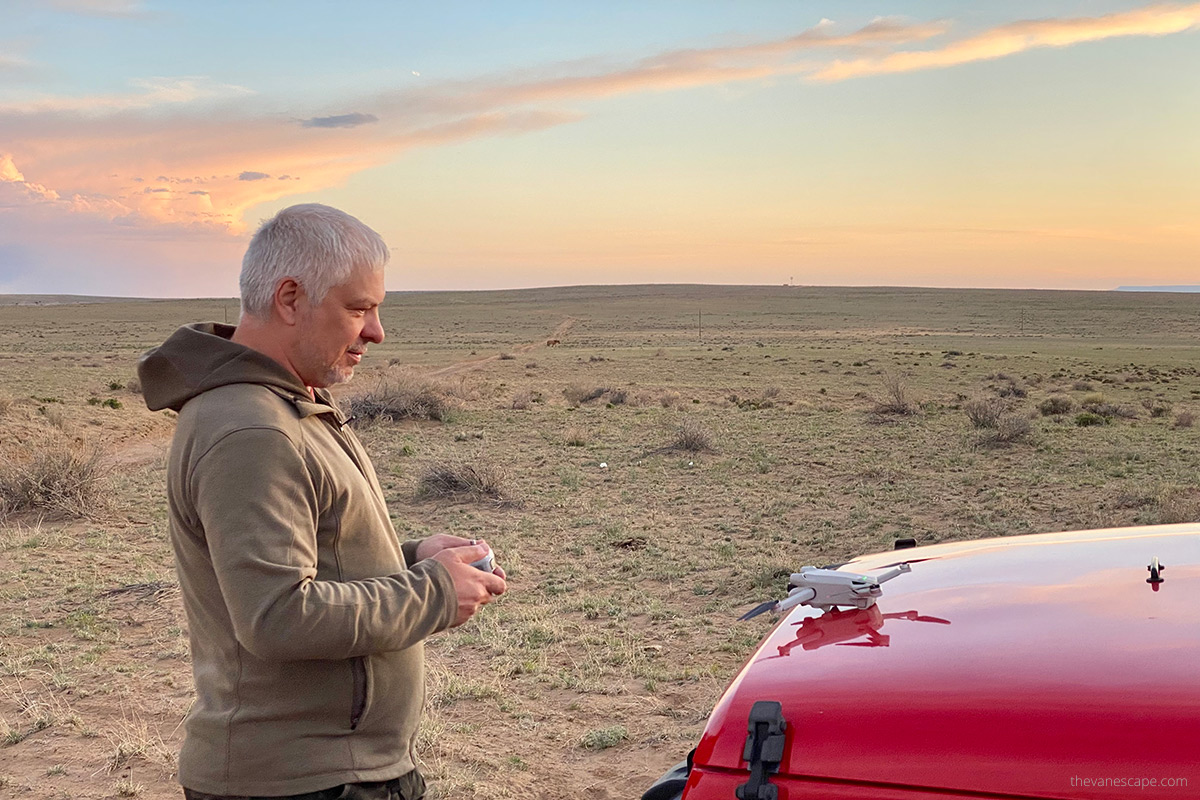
x=670, y=399
x=984, y=412
x=1056, y=405
x=895, y=400
x=523, y=400
x=624, y=578
x=1171, y=504
x=480, y=480
x=577, y=394
x=57, y=480
x=1157, y=408
x=691, y=437
x=403, y=395
x=1009, y=429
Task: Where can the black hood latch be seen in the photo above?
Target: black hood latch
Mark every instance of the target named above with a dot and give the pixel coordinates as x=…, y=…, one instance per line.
x=764, y=750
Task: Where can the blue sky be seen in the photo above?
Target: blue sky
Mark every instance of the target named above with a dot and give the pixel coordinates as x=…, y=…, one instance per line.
x=507, y=144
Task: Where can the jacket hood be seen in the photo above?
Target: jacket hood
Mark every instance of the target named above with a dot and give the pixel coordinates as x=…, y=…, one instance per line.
x=201, y=356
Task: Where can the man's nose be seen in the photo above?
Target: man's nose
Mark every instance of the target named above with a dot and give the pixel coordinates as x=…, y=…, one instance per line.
x=373, y=329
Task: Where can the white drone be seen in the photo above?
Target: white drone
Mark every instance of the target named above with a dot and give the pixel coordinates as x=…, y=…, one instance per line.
x=829, y=588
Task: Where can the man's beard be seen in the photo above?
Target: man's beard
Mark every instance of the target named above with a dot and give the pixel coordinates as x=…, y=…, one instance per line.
x=331, y=374
x=338, y=374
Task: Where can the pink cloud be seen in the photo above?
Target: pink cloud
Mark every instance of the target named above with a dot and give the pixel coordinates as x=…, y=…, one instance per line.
x=1017, y=37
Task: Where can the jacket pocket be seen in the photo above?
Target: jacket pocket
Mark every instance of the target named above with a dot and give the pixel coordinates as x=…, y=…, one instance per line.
x=362, y=690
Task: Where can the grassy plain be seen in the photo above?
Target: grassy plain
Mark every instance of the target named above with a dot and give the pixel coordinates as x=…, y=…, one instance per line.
x=628, y=560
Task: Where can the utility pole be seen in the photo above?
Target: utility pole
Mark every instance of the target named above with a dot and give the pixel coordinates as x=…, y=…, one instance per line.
x=700, y=324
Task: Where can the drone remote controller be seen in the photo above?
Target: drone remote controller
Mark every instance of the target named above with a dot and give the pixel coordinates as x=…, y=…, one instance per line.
x=487, y=563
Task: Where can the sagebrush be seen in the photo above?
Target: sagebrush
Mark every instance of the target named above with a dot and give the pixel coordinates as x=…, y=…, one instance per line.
x=403, y=395
x=478, y=479
x=57, y=480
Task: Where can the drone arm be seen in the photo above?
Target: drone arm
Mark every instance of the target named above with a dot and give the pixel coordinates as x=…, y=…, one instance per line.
x=795, y=597
x=899, y=569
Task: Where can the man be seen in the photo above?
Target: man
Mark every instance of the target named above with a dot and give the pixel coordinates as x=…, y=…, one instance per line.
x=306, y=613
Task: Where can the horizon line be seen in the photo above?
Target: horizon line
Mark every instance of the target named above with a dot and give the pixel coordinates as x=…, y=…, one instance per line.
x=1165, y=289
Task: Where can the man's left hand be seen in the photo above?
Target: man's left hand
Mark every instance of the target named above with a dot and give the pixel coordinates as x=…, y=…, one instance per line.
x=432, y=545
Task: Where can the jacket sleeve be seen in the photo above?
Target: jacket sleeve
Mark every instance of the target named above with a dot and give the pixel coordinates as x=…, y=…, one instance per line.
x=258, y=507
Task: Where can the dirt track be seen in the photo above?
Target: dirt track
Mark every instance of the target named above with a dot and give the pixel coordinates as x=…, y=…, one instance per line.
x=475, y=363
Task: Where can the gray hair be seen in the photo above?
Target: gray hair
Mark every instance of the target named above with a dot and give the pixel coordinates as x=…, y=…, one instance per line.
x=317, y=245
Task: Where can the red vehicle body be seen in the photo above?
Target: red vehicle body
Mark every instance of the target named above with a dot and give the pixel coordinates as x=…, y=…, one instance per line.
x=1042, y=666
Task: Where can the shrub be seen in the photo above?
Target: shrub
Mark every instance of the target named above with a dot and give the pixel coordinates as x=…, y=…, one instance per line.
x=604, y=738
x=578, y=395
x=507, y=357
x=670, y=398
x=1175, y=505
x=1184, y=419
x=1157, y=408
x=522, y=400
x=1009, y=387
x=1092, y=399
x=133, y=386
x=59, y=481
x=115, y=386
x=6, y=402
x=1111, y=410
x=642, y=398
x=895, y=397
x=402, y=396
x=54, y=416
x=575, y=437
x=984, y=412
x=618, y=397
x=1087, y=419
x=767, y=400
x=691, y=437
x=458, y=480
x=1058, y=404
x=1010, y=428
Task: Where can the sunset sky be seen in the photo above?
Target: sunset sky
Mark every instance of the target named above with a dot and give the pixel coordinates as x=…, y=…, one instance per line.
x=513, y=144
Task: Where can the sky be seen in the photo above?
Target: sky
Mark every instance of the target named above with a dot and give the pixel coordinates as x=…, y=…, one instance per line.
x=513, y=144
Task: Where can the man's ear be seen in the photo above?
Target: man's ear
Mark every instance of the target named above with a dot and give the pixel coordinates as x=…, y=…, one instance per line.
x=288, y=296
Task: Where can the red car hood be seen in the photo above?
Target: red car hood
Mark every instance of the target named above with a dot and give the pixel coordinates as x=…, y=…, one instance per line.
x=1017, y=666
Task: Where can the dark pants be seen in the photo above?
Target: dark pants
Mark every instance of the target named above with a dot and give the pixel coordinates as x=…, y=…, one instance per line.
x=406, y=787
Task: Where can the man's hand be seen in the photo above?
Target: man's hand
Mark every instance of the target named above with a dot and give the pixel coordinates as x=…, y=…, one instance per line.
x=474, y=588
x=431, y=546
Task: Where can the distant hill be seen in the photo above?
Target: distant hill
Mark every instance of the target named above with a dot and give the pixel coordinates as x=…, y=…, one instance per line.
x=56, y=299
x=1188, y=288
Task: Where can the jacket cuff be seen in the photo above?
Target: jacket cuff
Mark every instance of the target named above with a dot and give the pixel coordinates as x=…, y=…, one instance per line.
x=440, y=577
x=409, y=549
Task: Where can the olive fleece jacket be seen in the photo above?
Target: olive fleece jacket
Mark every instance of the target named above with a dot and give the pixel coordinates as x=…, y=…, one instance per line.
x=306, y=619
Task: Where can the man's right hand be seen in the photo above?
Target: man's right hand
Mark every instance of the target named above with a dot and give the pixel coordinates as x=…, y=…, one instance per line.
x=473, y=587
